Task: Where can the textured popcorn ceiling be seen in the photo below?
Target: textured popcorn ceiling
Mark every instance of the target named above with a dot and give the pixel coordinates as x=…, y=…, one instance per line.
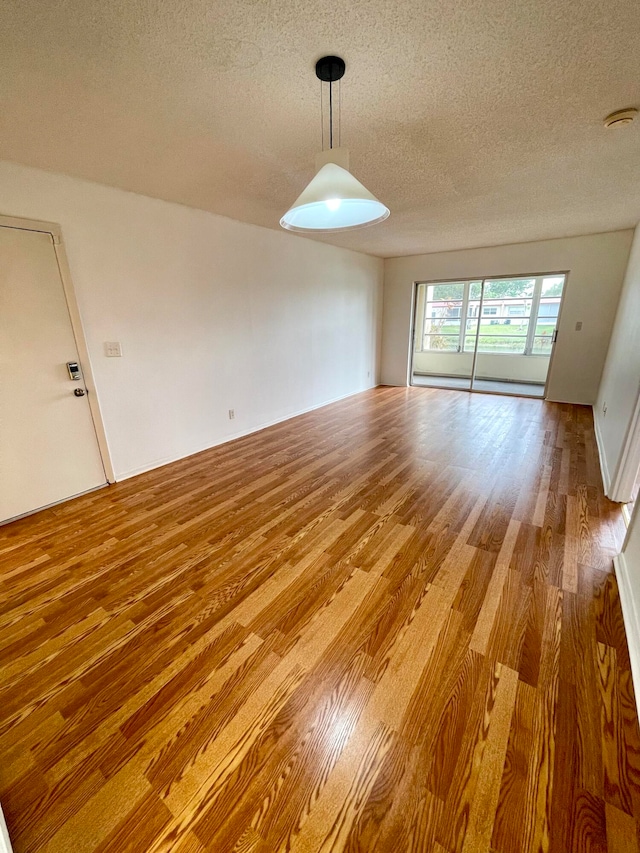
x=477, y=122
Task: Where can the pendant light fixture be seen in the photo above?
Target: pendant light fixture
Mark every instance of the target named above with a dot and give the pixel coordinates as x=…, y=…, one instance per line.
x=334, y=200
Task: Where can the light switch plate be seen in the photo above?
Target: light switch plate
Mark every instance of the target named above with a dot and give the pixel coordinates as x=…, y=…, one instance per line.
x=112, y=349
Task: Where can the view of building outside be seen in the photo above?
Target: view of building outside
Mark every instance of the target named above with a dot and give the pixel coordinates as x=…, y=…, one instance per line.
x=515, y=317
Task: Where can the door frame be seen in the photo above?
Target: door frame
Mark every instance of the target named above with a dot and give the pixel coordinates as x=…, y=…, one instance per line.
x=624, y=478
x=55, y=231
x=483, y=278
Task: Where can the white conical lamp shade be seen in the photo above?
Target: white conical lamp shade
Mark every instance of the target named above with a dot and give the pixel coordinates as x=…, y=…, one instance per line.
x=334, y=201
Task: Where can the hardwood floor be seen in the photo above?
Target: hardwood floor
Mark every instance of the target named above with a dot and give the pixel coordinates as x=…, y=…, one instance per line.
x=387, y=625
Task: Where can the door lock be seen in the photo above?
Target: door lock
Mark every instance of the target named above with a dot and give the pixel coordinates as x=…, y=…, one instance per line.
x=78, y=392
x=74, y=370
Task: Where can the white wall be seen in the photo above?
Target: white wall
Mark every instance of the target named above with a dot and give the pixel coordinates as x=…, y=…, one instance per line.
x=596, y=265
x=212, y=315
x=621, y=378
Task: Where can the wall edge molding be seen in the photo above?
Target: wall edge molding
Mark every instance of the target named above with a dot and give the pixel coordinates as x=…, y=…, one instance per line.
x=604, y=470
x=630, y=619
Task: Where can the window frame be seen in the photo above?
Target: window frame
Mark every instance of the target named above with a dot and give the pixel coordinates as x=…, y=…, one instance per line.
x=533, y=317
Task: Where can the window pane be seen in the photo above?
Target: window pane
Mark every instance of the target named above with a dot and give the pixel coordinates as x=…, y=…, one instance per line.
x=509, y=287
x=515, y=325
x=441, y=313
x=489, y=322
x=442, y=326
x=542, y=345
x=549, y=308
x=552, y=286
x=435, y=310
x=442, y=316
x=501, y=343
x=443, y=343
x=545, y=328
x=475, y=289
x=445, y=310
x=445, y=292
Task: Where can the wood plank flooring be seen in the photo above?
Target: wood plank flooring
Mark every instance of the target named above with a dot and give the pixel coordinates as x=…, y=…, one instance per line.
x=387, y=625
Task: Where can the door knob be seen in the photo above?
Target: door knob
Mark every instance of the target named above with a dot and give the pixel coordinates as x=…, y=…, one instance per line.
x=79, y=392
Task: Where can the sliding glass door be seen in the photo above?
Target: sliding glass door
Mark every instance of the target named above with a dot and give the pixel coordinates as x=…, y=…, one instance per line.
x=493, y=335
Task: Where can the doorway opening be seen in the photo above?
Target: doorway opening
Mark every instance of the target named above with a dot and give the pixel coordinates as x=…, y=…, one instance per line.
x=494, y=335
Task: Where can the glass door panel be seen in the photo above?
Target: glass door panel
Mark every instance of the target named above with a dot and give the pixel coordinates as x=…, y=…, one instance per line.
x=440, y=356
x=548, y=313
x=474, y=312
x=505, y=338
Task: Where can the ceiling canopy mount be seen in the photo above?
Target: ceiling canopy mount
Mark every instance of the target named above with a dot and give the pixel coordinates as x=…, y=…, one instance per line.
x=330, y=69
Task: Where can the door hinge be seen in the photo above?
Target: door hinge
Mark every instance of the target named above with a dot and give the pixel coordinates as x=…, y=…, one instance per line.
x=555, y=336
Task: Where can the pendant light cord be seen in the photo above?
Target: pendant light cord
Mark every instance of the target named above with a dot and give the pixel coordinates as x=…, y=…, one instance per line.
x=322, y=114
x=330, y=114
x=330, y=70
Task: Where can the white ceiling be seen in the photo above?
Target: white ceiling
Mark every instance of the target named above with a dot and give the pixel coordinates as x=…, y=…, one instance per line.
x=477, y=122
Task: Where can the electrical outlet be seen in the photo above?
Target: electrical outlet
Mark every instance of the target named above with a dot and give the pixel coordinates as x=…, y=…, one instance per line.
x=232, y=414
x=579, y=326
x=113, y=349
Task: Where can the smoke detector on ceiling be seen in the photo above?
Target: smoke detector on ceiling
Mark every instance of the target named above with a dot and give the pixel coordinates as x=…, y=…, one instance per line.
x=621, y=117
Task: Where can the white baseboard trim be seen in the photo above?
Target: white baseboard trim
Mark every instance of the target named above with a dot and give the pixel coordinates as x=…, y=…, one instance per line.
x=631, y=620
x=5, y=841
x=604, y=470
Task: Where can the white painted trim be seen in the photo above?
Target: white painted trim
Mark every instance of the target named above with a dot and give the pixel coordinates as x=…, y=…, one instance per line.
x=85, y=359
x=23, y=224
x=5, y=841
x=631, y=620
x=169, y=459
x=604, y=469
x=624, y=480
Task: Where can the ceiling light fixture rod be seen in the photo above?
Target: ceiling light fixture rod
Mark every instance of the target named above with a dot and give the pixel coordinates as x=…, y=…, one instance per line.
x=329, y=70
x=330, y=113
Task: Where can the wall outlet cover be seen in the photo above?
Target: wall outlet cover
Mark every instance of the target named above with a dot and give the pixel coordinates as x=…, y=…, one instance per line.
x=112, y=349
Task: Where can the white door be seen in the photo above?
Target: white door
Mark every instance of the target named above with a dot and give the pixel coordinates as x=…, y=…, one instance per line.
x=48, y=445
